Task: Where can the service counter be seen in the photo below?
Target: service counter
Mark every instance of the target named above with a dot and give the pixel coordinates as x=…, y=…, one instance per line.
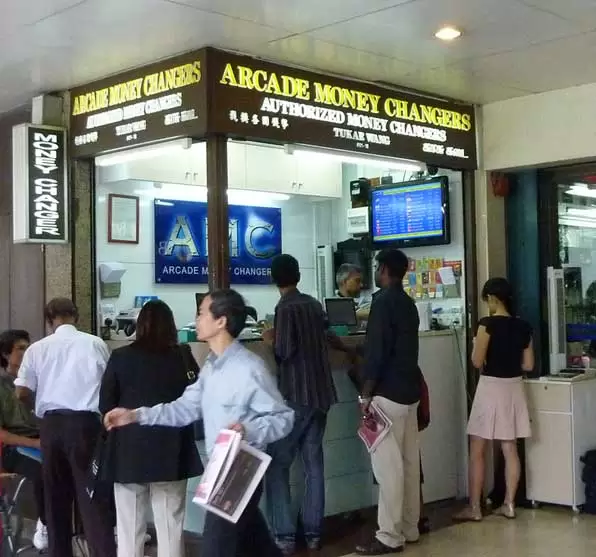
x=348, y=475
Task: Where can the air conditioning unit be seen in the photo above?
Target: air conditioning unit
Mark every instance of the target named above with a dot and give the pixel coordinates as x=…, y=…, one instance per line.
x=325, y=273
x=557, y=327
x=357, y=220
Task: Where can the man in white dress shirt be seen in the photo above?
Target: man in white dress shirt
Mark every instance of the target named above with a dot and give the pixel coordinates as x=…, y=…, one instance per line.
x=64, y=371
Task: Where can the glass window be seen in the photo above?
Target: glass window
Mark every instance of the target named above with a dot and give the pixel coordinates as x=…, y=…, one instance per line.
x=577, y=254
x=130, y=188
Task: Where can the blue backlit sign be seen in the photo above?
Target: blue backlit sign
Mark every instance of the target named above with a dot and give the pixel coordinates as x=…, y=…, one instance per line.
x=181, y=253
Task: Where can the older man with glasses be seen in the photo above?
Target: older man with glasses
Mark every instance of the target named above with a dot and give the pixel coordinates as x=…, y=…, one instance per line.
x=349, y=285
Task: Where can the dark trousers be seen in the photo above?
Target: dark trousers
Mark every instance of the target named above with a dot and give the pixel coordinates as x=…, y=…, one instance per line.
x=30, y=468
x=68, y=442
x=249, y=537
x=306, y=439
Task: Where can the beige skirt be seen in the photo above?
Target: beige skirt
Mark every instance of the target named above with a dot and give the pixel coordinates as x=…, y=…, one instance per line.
x=499, y=410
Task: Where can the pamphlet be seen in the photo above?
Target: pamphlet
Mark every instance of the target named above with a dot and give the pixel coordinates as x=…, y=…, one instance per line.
x=374, y=427
x=233, y=473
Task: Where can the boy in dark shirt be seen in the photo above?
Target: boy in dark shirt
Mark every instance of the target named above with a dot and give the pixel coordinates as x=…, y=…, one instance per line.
x=19, y=426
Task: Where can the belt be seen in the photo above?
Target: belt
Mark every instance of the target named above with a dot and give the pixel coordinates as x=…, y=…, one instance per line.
x=80, y=413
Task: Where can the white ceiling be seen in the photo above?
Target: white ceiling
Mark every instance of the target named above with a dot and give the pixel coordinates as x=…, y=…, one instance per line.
x=509, y=47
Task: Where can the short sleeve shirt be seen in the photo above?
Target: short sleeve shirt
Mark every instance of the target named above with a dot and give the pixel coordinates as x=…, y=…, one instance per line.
x=509, y=337
x=14, y=416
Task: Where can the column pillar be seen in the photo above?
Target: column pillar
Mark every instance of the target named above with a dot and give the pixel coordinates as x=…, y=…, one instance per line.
x=217, y=212
x=49, y=110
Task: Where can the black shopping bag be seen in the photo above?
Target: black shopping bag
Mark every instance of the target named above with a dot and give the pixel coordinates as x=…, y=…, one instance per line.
x=96, y=472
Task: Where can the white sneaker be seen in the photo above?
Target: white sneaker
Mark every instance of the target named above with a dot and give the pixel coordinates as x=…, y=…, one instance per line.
x=40, y=538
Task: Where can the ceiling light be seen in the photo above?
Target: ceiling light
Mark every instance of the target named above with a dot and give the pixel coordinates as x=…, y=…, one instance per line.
x=577, y=222
x=448, y=33
x=581, y=190
x=181, y=192
x=586, y=212
x=387, y=163
x=141, y=153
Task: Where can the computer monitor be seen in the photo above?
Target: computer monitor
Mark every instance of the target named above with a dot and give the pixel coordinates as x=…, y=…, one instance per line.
x=341, y=311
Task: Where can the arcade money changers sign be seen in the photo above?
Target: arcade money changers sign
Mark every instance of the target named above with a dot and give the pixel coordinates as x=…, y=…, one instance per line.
x=217, y=92
x=252, y=98
x=157, y=102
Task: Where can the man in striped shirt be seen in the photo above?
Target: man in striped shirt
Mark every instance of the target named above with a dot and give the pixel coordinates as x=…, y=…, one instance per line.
x=300, y=340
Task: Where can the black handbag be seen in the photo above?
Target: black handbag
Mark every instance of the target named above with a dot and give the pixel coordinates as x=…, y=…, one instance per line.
x=192, y=373
x=95, y=477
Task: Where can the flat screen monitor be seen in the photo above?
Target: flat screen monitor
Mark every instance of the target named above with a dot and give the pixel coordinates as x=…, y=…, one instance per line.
x=341, y=311
x=410, y=214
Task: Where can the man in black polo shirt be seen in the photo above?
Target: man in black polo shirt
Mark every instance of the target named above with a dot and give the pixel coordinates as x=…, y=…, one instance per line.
x=392, y=382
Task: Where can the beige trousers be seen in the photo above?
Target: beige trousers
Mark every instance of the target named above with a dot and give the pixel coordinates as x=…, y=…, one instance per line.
x=396, y=465
x=168, y=502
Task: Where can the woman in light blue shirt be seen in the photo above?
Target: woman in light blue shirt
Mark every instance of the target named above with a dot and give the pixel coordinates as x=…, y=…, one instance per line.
x=235, y=390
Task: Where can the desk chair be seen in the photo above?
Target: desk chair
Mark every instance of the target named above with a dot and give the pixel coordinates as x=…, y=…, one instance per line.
x=80, y=545
x=12, y=521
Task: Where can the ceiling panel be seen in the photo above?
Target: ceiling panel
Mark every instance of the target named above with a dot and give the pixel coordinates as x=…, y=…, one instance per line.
x=26, y=12
x=143, y=32
x=459, y=84
x=407, y=31
x=544, y=67
x=581, y=12
x=297, y=16
x=509, y=47
x=302, y=50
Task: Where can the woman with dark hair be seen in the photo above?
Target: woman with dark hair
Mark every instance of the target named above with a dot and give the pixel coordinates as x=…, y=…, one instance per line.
x=503, y=351
x=150, y=466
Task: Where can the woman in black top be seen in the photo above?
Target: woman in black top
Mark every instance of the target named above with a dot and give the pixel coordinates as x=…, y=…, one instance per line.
x=150, y=466
x=503, y=351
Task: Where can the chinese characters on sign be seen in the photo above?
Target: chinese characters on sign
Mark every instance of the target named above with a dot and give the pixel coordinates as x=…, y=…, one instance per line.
x=217, y=92
x=256, y=120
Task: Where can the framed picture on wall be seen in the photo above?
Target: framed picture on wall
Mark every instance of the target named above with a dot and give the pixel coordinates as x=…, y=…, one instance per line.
x=123, y=219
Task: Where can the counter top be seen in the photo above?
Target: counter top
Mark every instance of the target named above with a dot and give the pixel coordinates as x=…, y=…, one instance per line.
x=564, y=378
x=338, y=359
x=442, y=332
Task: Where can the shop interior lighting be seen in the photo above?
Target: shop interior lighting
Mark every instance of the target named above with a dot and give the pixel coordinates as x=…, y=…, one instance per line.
x=199, y=193
x=448, y=33
x=581, y=190
x=385, y=163
x=578, y=222
x=141, y=153
x=584, y=212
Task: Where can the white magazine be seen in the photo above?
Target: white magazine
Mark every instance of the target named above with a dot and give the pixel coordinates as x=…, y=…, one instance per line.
x=221, y=458
x=374, y=427
x=231, y=477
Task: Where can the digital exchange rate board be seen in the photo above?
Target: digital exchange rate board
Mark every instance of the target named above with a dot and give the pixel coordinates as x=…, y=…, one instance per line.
x=408, y=213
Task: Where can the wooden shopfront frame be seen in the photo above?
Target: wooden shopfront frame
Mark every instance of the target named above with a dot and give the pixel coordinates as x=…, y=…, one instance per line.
x=215, y=95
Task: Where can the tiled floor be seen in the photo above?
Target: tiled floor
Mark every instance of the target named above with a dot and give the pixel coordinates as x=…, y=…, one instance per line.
x=544, y=532
x=536, y=533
